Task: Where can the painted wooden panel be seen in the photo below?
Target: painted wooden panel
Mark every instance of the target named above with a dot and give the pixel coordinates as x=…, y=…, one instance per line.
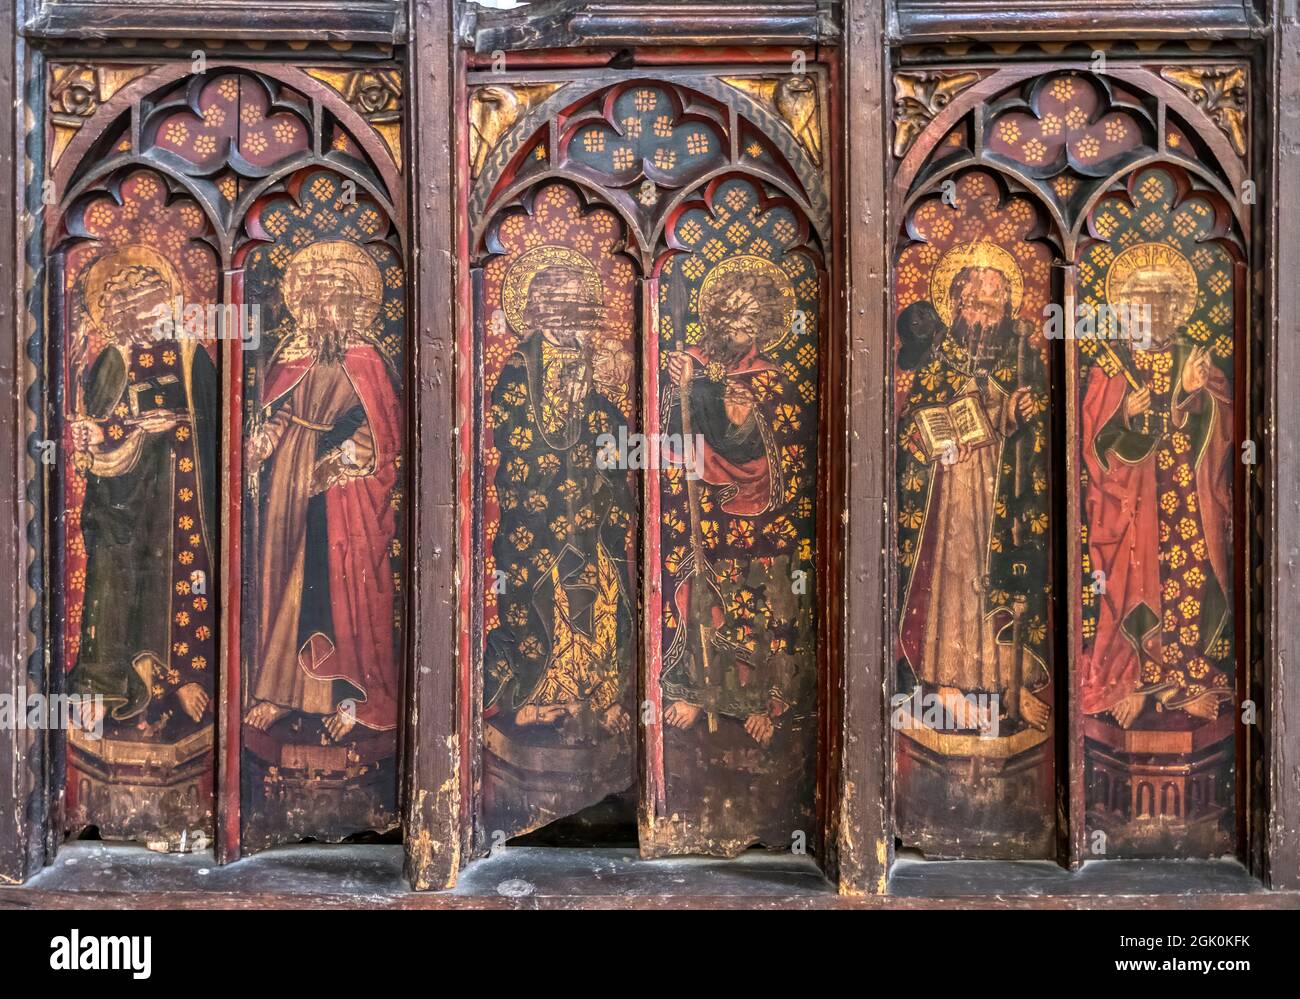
x=139, y=515
x=711, y=192
x=1157, y=468
x=973, y=710
x=1132, y=187
x=323, y=442
x=559, y=522
x=733, y=525
x=223, y=242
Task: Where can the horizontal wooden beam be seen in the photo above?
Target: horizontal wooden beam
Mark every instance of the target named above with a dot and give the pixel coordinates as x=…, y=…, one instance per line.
x=381, y=21
x=556, y=24
x=116, y=876
x=1022, y=20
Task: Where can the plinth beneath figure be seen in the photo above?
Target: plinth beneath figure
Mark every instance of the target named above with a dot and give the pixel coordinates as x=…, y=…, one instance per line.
x=1164, y=789
x=139, y=789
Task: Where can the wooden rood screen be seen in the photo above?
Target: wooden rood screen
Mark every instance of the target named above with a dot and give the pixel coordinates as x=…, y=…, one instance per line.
x=230, y=305
x=649, y=323
x=587, y=424
x=1071, y=317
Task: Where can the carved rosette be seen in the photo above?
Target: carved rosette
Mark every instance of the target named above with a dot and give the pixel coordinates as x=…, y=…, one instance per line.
x=376, y=95
x=77, y=91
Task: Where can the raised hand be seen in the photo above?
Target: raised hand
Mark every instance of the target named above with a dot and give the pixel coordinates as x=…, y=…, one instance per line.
x=1137, y=403
x=1196, y=370
x=680, y=366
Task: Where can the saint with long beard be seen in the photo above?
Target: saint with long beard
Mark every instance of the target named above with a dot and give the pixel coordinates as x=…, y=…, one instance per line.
x=328, y=448
x=955, y=636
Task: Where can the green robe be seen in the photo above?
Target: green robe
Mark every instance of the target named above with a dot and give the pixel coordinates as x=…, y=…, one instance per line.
x=129, y=524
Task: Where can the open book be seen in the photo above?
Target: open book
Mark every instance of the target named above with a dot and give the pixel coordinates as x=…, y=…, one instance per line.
x=962, y=421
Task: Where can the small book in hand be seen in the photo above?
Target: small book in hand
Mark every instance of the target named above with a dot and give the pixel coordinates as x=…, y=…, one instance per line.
x=166, y=394
x=961, y=422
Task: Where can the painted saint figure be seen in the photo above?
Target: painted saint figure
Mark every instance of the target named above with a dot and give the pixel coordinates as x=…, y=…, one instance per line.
x=559, y=659
x=144, y=440
x=1157, y=424
x=972, y=435
x=327, y=450
x=710, y=405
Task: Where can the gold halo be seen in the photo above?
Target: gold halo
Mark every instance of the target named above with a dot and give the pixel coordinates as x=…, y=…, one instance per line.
x=333, y=254
x=1155, y=256
x=110, y=263
x=734, y=270
x=519, y=279
x=981, y=253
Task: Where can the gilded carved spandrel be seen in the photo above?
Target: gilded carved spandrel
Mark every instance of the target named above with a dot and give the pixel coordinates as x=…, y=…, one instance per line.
x=77, y=91
x=493, y=110
x=918, y=97
x=794, y=100
x=1220, y=92
x=376, y=95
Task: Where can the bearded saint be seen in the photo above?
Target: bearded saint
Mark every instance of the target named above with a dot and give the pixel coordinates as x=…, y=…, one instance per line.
x=558, y=660
x=733, y=450
x=955, y=637
x=328, y=451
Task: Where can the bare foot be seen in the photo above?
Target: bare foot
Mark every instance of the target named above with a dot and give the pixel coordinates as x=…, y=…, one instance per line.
x=679, y=714
x=541, y=714
x=1034, y=711
x=194, y=700
x=341, y=722
x=1126, y=711
x=1206, y=707
x=615, y=719
x=963, y=713
x=263, y=715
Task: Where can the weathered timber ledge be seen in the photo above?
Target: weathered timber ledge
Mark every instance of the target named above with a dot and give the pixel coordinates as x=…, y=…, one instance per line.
x=99, y=876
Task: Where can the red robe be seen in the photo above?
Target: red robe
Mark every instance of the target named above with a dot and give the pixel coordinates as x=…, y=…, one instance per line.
x=752, y=479
x=1124, y=531
x=361, y=523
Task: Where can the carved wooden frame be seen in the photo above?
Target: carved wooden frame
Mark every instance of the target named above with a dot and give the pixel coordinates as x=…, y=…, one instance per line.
x=872, y=32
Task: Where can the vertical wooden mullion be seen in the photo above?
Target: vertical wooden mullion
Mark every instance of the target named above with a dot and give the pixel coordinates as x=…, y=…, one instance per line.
x=650, y=663
x=1282, y=717
x=865, y=835
x=433, y=811
x=1073, y=774
x=228, y=744
x=22, y=847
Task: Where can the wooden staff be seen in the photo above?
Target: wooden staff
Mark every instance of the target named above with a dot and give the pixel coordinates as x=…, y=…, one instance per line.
x=1018, y=449
x=1018, y=606
x=699, y=580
